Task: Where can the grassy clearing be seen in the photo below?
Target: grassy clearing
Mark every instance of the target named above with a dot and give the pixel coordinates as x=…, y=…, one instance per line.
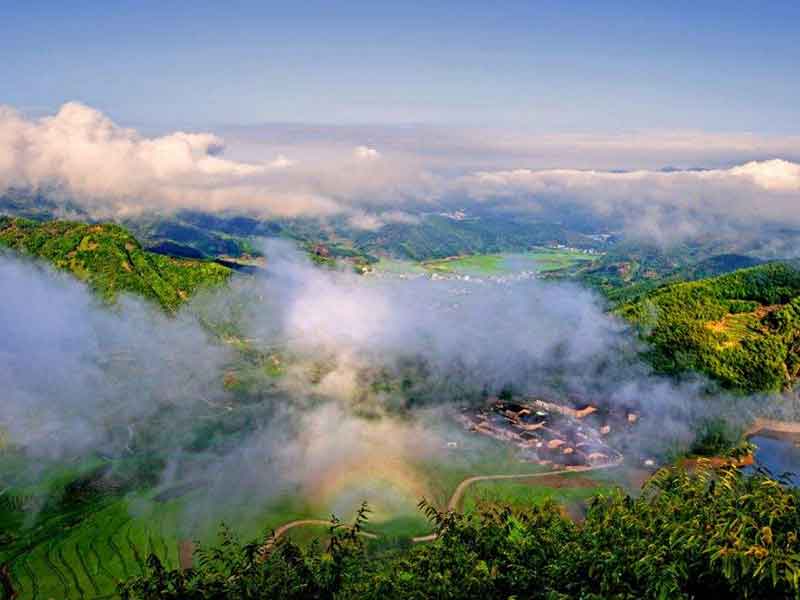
x=398, y=267
x=527, y=493
x=480, y=456
x=306, y=534
x=401, y=527
x=541, y=259
x=554, y=259
x=477, y=264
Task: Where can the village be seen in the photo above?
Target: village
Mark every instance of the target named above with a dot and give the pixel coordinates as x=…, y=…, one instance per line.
x=551, y=434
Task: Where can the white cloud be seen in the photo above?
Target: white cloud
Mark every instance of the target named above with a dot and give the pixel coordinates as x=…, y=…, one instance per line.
x=111, y=171
x=365, y=221
x=664, y=205
x=399, y=216
x=114, y=170
x=374, y=221
x=366, y=153
x=774, y=175
x=281, y=162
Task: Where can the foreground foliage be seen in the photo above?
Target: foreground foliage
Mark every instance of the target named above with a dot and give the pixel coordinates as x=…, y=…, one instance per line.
x=742, y=329
x=702, y=534
x=110, y=259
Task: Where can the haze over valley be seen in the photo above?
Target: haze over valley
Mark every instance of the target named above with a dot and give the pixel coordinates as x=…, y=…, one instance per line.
x=465, y=310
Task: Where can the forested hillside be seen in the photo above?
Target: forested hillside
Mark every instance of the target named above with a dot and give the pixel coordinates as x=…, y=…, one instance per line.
x=110, y=259
x=436, y=236
x=742, y=329
x=630, y=269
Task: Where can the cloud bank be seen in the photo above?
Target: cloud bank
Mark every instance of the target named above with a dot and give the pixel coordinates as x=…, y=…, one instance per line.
x=110, y=171
x=114, y=171
x=656, y=205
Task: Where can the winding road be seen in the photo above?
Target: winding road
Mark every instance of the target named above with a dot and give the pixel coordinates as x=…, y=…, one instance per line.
x=453, y=503
x=280, y=531
x=760, y=424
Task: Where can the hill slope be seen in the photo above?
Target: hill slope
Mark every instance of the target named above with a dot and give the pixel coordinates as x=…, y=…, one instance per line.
x=110, y=259
x=436, y=236
x=741, y=329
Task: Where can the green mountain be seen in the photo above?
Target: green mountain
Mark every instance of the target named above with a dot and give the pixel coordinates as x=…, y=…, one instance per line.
x=741, y=329
x=437, y=236
x=110, y=259
x=629, y=269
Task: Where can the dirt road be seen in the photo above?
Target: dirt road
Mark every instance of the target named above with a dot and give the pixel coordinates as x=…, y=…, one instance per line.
x=280, y=531
x=461, y=489
x=790, y=427
x=455, y=498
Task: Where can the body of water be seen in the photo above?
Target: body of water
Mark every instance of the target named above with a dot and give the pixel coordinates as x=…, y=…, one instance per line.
x=779, y=456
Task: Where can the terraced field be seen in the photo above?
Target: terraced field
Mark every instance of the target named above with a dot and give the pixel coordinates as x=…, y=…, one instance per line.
x=61, y=559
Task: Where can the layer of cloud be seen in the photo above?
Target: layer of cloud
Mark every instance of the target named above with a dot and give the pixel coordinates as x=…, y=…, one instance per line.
x=114, y=171
x=658, y=205
x=475, y=149
x=110, y=171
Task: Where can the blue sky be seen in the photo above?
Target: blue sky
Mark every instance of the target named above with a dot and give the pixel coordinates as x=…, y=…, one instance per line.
x=536, y=66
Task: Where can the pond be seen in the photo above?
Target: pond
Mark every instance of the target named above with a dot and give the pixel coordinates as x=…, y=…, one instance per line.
x=779, y=455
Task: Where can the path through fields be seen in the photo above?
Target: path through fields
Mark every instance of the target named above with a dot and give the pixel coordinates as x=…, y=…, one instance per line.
x=455, y=498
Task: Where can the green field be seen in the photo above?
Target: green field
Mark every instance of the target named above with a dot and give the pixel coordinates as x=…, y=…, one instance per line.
x=85, y=556
x=483, y=264
x=541, y=260
x=554, y=259
x=522, y=493
x=398, y=267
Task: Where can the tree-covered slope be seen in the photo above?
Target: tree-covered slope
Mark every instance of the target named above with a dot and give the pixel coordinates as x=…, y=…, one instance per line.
x=630, y=269
x=110, y=259
x=741, y=329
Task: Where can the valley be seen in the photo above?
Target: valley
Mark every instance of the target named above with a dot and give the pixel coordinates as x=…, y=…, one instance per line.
x=389, y=432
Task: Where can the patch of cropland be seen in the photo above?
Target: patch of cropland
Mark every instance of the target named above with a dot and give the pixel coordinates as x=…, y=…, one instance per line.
x=742, y=329
x=110, y=259
x=83, y=544
x=540, y=260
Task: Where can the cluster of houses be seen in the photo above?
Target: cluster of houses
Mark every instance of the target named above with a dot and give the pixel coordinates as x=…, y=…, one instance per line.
x=549, y=433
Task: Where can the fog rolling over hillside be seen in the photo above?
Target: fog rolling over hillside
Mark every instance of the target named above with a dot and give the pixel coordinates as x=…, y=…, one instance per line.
x=370, y=367
x=75, y=370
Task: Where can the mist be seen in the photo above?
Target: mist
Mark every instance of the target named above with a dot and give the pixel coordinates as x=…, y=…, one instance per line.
x=77, y=374
x=373, y=371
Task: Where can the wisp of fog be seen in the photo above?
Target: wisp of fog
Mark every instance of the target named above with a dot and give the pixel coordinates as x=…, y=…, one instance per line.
x=372, y=369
